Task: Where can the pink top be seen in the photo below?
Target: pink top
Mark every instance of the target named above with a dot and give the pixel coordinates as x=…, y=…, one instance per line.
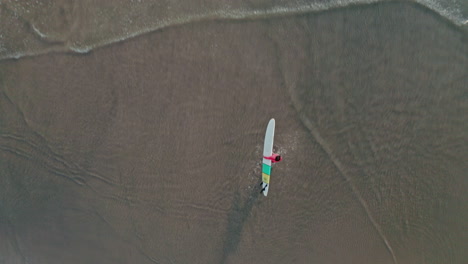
x=273, y=158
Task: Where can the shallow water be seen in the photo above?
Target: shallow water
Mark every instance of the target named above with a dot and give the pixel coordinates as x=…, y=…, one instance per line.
x=148, y=150
x=31, y=28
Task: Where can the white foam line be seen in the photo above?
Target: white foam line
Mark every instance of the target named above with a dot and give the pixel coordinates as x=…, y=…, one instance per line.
x=38, y=32
x=237, y=14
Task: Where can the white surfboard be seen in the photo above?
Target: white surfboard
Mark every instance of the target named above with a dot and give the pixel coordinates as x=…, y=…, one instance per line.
x=267, y=151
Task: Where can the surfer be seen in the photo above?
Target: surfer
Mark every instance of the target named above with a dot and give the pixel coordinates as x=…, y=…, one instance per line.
x=274, y=158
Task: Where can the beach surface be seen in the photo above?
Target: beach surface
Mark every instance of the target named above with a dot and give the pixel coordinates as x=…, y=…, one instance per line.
x=148, y=150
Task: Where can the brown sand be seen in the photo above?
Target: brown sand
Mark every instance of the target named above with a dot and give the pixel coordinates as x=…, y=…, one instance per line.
x=148, y=151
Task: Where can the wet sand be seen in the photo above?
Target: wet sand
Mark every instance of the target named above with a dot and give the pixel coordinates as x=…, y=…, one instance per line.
x=148, y=151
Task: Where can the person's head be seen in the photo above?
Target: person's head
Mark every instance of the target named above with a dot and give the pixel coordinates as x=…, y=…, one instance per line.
x=278, y=158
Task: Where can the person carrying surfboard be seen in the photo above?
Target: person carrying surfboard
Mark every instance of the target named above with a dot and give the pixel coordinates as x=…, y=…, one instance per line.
x=268, y=156
x=274, y=158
